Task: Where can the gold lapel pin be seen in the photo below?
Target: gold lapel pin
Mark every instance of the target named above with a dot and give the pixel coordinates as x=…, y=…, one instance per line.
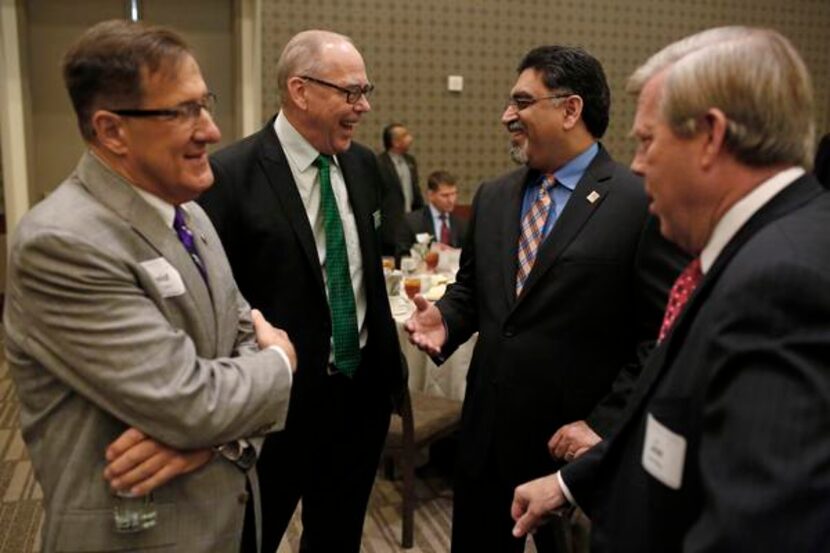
x=593, y=196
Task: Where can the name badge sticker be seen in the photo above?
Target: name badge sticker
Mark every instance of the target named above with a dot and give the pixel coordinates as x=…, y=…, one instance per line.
x=664, y=453
x=166, y=277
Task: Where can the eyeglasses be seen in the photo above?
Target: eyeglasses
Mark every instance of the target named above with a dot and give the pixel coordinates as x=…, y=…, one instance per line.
x=521, y=102
x=353, y=93
x=188, y=112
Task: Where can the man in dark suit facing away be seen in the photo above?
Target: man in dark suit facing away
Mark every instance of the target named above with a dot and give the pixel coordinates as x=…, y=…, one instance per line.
x=436, y=218
x=399, y=172
x=724, y=445
x=297, y=206
x=562, y=275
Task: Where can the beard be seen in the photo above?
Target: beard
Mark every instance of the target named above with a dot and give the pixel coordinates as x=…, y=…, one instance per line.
x=518, y=153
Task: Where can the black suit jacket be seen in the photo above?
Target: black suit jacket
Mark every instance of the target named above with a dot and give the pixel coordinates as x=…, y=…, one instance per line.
x=392, y=206
x=744, y=378
x=420, y=221
x=257, y=210
x=548, y=357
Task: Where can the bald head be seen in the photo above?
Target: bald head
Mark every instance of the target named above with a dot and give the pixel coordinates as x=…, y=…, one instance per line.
x=305, y=54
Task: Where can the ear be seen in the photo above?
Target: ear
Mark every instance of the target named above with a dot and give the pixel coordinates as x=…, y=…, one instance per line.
x=573, y=111
x=298, y=91
x=110, y=132
x=713, y=131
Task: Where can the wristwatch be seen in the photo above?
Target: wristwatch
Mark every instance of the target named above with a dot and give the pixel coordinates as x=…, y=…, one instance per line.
x=239, y=452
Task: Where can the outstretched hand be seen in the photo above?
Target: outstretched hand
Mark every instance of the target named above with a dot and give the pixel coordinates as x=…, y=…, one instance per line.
x=426, y=327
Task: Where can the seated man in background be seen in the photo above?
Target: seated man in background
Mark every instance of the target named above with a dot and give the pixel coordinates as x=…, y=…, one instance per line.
x=436, y=218
x=122, y=312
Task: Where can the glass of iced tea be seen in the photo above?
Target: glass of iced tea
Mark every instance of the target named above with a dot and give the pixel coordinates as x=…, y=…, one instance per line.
x=412, y=286
x=431, y=260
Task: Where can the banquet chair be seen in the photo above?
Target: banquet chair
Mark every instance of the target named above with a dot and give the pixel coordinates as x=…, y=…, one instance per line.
x=424, y=419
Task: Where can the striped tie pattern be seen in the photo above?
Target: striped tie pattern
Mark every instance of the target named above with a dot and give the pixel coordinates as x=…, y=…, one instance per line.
x=338, y=279
x=533, y=227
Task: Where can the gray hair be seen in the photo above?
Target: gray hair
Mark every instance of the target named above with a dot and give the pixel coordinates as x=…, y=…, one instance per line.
x=301, y=55
x=755, y=76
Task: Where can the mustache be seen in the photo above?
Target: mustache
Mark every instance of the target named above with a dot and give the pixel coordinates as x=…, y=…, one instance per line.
x=515, y=126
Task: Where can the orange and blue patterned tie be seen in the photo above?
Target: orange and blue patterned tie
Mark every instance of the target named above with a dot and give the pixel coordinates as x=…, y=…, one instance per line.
x=533, y=229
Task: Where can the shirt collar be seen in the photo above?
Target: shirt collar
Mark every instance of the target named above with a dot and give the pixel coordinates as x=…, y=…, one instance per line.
x=742, y=211
x=569, y=174
x=435, y=213
x=166, y=211
x=301, y=154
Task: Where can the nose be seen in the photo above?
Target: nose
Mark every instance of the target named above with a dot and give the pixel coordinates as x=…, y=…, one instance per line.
x=362, y=105
x=637, y=165
x=509, y=114
x=206, y=129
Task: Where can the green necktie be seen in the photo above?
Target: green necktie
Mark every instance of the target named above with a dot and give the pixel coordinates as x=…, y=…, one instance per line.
x=339, y=282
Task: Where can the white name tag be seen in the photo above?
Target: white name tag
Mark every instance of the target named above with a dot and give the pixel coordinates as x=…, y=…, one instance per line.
x=664, y=453
x=166, y=277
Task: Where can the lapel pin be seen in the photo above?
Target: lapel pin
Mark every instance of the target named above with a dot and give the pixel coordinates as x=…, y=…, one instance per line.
x=593, y=196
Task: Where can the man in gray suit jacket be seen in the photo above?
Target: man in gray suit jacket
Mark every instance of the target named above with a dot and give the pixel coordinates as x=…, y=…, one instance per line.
x=122, y=312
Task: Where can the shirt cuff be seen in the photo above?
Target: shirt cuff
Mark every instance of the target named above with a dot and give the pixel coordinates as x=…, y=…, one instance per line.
x=285, y=360
x=565, y=491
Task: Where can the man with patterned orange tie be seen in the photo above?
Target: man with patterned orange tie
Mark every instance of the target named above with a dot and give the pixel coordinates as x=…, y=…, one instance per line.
x=562, y=274
x=724, y=444
x=437, y=217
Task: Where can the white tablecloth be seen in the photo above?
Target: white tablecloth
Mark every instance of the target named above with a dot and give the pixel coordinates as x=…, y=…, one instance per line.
x=448, y=380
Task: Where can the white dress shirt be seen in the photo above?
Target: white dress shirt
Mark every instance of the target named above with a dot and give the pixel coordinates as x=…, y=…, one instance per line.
x=301, y=156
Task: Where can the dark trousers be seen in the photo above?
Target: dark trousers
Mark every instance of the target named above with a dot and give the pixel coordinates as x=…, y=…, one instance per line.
x=328, y=456
x=481, y=518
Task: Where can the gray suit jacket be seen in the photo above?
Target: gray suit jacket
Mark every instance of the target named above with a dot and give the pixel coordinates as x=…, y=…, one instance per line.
x=96, y=343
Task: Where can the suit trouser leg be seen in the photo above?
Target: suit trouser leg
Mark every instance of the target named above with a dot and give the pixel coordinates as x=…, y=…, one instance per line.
x=349, y=435
x=481, y=513
x=482, y=520
x=277, y=470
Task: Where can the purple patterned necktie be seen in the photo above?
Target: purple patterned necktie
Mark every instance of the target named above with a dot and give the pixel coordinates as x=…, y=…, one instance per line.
x=186, y=238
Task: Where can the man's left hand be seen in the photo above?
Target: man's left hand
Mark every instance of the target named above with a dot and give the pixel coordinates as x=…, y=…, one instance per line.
x=139, y=464
x=572, y=440
x=534, y=502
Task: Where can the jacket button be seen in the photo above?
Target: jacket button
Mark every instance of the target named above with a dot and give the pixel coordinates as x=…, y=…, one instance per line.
x=509, y=331
x=242, y=498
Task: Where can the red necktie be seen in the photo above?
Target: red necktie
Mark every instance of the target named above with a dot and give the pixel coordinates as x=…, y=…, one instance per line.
x=445, y=230
x=680, y=293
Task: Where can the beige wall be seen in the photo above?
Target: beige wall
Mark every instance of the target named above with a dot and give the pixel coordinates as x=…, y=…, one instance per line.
x=411, y=47
x=54, y=24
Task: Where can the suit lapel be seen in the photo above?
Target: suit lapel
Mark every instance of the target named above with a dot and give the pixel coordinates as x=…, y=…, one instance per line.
x=275, y=166
x=510, y=225
x=577, y=212
x=792, y=197
x=117, y=194
x=427, y=223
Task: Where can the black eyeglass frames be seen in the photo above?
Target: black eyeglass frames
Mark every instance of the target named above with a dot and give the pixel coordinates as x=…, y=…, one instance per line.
x=187, y=111
x=353, y=93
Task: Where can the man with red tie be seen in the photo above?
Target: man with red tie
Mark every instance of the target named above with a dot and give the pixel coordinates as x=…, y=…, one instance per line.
x=724, y=443
x=437, y=217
